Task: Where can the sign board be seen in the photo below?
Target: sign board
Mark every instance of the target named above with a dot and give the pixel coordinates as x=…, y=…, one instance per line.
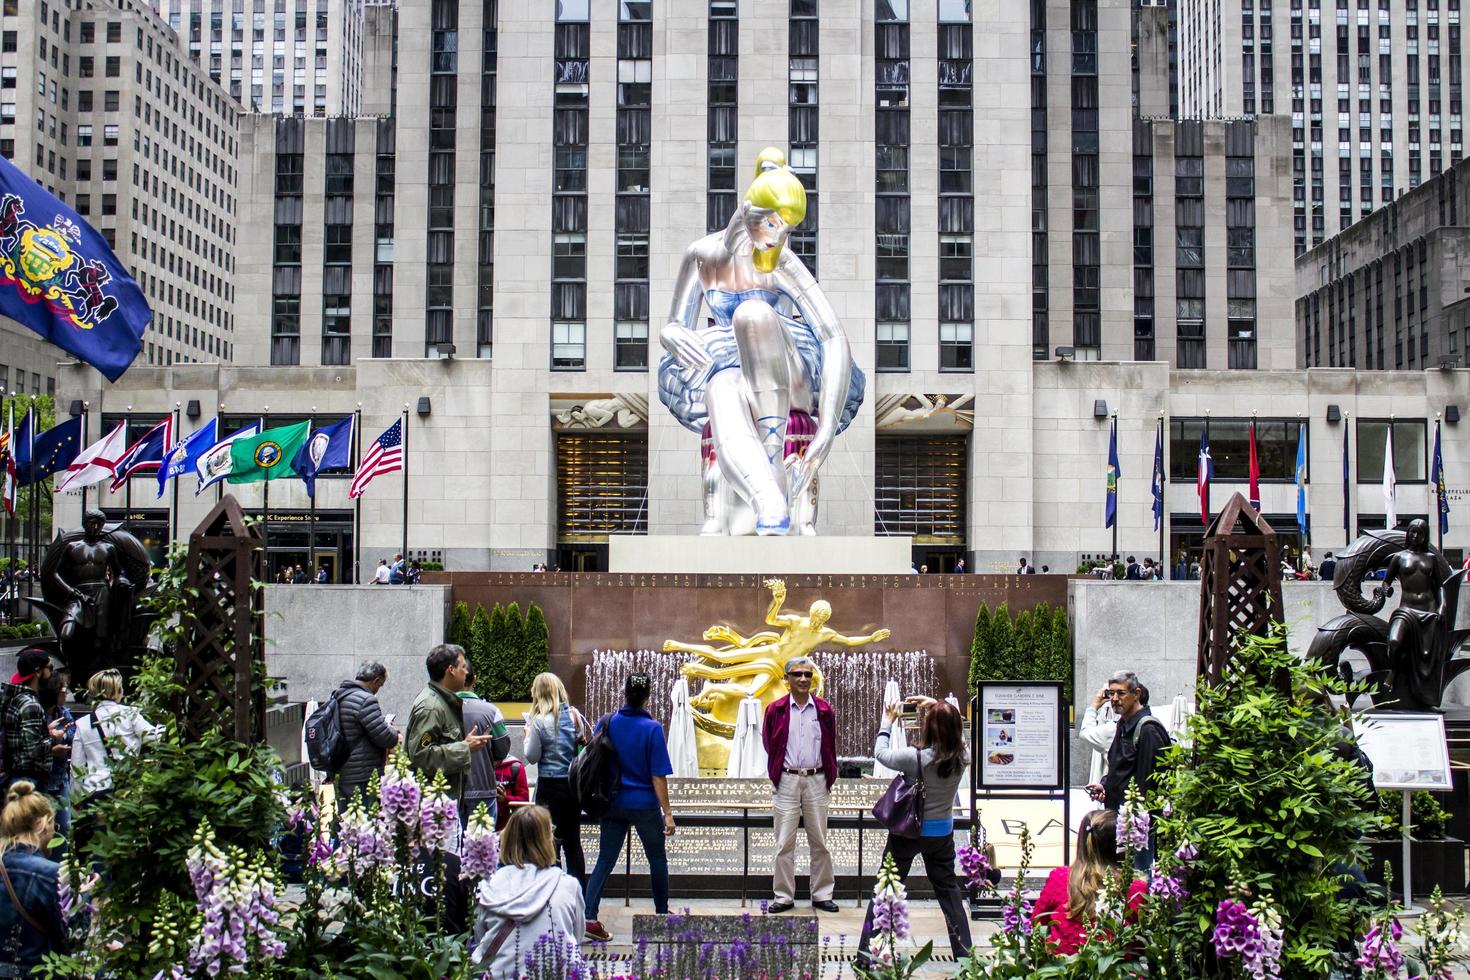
x=1408, y=750
x=1019, y=731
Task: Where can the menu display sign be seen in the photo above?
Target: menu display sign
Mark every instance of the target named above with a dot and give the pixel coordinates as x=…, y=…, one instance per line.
x=1019, y=731
x=1408, y=750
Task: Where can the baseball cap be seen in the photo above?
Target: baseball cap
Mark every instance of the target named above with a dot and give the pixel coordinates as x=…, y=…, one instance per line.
x=29, y=663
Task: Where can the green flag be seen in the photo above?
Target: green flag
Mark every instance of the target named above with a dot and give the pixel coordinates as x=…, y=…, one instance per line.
x=267, y=456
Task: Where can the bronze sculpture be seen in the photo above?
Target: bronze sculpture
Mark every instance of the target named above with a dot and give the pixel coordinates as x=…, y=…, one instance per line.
x=1412, y=657
x=91, y=580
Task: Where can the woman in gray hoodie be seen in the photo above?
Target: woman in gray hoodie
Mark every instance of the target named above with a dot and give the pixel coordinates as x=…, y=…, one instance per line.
x=529, y=907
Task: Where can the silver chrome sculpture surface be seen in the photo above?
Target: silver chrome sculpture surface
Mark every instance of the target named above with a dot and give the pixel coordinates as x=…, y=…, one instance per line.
x=770, y=381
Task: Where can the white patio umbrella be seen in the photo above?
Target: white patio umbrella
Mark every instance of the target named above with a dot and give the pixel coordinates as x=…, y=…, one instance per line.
x=1182, y=710
x=896, y=737
x=962, y=794
x=682, y=753
x=748, y=752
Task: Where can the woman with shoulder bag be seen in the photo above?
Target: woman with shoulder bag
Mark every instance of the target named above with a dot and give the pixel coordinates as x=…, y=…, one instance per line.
x=555, y=733
x=30, y=903
x=938, y=758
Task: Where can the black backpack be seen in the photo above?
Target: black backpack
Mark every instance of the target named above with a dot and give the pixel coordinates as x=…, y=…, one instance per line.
x=593, y=775
x=326, y=745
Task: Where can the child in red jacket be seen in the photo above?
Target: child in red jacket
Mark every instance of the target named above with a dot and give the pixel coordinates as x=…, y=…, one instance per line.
x=510, y=787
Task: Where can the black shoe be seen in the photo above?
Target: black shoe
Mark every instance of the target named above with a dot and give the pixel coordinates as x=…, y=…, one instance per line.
x=827, y=906
x=776, y=908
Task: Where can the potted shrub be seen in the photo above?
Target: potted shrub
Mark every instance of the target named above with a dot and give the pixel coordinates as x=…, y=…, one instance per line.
x=1438, y=859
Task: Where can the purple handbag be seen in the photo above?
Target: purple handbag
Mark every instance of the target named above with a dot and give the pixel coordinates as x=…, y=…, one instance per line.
x=901, y=807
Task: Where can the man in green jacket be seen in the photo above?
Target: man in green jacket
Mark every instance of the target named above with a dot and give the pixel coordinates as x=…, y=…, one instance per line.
x=436, y=739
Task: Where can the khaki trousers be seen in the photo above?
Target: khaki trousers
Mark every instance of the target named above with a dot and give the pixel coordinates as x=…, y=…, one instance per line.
x=802, y=799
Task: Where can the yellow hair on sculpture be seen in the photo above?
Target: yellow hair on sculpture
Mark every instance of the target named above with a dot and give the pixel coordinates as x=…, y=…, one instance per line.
x=776, y=188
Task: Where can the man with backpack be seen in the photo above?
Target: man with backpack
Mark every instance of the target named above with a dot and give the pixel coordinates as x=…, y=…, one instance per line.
x=1134, y=755
x=480, y=786
x=365, y=734
x=29, y=743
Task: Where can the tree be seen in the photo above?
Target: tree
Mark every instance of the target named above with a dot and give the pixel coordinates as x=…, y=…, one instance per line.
x=1001, y=666
x=478, y=650
x=1023, y=647
x=459, y=626
x=510, y=650
x=537, y=655
x=979, y=648
x=1061, y=650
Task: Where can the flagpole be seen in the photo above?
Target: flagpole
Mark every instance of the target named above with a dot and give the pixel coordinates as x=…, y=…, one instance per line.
x=1114, y=490
x=311, y=520
x=1347, y=481
x=265, y=507
x=34, y=529
x=1306, y=529
x=11, y=604
x=84, y=443
x=1163, y=510
x=1438, y=484
x=219, y=485
x=173, y=528
x=405, y=485
x=357, y=501
x=128, y=481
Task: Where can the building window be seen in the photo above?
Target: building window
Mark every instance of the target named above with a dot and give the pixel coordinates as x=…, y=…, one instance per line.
x=383, y=240
x=956, y=347
x=631, y=211
x=1189, y=232
x=803, y=69
x=723, y=113
x=568, y=346
x=1409, y=452
x=1276, y=448
x=892, y=352
x=921, y=487
x=1240, y=240
x=485, y=295
x=891, y=132
x=631, y=340
x=286, y=271
x=443, y=107
x=601, y=484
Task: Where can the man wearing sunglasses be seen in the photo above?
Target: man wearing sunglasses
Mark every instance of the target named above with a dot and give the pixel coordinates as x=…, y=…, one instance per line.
x=800, y=735
x=1136, y=747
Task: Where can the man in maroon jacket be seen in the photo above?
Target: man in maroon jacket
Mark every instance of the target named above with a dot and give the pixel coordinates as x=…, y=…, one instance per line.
x=800, y=734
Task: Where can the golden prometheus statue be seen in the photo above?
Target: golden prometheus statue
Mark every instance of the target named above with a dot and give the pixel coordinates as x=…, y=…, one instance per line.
x=753, y=666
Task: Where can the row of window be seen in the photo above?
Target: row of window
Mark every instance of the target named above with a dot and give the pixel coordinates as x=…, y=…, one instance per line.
x=1276, y=448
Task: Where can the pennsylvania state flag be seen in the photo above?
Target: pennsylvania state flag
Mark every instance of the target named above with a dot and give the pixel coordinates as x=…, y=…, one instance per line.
x=59, y=278
x=268, y=456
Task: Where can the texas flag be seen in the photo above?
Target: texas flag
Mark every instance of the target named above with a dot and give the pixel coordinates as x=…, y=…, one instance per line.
x=1205, y=474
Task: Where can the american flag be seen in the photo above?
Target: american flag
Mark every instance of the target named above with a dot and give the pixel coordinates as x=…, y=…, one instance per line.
x=7, y=465
x=385, y=456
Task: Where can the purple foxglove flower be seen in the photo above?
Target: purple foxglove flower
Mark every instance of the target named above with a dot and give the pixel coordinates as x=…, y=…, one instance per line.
x=480, y=855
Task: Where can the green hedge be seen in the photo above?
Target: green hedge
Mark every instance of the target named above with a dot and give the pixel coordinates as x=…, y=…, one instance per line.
x=1035, y=645
x=506, y=650
x=22, y=631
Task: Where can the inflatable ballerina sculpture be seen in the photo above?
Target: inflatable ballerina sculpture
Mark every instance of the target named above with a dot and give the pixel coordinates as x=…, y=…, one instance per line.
x=769, y=382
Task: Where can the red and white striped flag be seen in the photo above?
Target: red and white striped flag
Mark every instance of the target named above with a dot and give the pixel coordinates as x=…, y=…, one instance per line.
x=384, y=456
x=7, y=456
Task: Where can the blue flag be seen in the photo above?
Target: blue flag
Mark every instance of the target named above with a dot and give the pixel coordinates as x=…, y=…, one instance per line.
x=181, y=457
x=148, y=453
x=1301, y=482
x=213, y=463
x=1114, y=471
x=324, y=449
x=1159, y=476
x=1441, y=494
x=60, y=278
x=49, y=452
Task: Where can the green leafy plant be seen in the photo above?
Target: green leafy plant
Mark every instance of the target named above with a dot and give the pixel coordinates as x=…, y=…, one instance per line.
x=459, y=625
x=23, y=631
x=1428, y=820
x=1269, y=795
x=978, y=640
x=536, y=651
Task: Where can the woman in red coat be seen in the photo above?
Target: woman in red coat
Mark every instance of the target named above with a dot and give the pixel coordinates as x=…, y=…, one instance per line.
x=1068, y=901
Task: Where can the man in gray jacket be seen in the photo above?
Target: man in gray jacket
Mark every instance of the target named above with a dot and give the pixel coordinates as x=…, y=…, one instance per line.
x=368, y=734
x=481, y=714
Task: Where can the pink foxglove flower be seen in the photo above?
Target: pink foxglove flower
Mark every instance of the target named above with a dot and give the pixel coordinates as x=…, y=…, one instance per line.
x=400, y=793
x=438, y=815
x=480, y=855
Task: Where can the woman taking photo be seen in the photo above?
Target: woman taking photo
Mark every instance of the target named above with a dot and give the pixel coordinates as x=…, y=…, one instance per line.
x=940, y=751
x=1068, y=901
x=554, y=732
x=528, y=901
x=30, y=904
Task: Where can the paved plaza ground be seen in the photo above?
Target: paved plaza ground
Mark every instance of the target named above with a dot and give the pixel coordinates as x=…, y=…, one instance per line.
x=924, y=917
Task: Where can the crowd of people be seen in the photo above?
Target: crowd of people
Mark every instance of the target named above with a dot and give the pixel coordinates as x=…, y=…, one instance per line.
x=55, y=760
